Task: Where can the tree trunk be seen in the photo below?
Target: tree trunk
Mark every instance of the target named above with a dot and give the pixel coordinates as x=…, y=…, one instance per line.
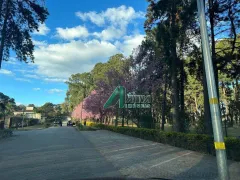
x=123, y=117
x=237, y=91
x=182, y=120
x=3, y=32
x=164, y=103
x=196, y=106
x=225, y=102
x=207, y=113
x=4, y=117
x=174, y=60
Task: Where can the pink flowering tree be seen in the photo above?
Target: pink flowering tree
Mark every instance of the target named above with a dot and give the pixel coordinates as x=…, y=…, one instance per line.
x=104, y=89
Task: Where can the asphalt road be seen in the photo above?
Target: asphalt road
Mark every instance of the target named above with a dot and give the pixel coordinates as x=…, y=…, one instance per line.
x=64, y=153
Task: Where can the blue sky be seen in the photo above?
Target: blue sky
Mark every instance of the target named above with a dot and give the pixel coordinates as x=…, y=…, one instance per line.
x=76, y=36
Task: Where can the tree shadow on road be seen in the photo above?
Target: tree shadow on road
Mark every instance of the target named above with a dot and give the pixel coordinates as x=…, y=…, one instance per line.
x=205, y=169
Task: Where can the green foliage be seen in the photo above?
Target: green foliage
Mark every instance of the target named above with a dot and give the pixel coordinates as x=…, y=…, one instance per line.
x=7, y=105
x=15, y=121
x=200, y=128
x=79, y=87
x=85, y=128
x=5, y=133
x=51, y=112
x=18, y=20
x=169, y=65
x=47, y=110
x=146, y=121
x=116, y=62
x=32, y=122
x=65, y=108
x=195, y=142
x=47, y=125
x=233, y=148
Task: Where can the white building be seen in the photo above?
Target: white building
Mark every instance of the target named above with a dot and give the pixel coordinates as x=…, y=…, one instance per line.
x=29, y=113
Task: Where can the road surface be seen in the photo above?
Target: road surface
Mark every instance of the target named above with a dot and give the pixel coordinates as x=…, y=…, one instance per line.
x=65, y=153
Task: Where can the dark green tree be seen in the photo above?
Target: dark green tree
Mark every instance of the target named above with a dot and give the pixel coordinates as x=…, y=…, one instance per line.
x=79, y=87
x=48, y=111
x=7, y=105
x=173, y=20
x=116, y=62
x=17, y=20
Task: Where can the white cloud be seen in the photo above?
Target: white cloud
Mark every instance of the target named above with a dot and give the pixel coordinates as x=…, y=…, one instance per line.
x=121, y=15
x=22, y=79
x=57, y=62
x=115, y=21
x=12, y=60
x=55, y=91
x=110, y=33
x=39, y=43
x=23, y=71
x=129, y=43
x=62, y=60
x=72, y=33
x=33, y=76
x=42, y=30
x=6, y=72
x=95, y=18
x=36, y=89
x=55, y=79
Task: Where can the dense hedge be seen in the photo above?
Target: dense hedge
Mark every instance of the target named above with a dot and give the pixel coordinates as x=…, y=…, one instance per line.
x=195, y=142
x=5, y=133
x=86, y=128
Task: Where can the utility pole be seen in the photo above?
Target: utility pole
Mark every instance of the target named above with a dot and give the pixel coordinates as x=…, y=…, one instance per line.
x=213, y=97
x=23, y=118
x=84, y=96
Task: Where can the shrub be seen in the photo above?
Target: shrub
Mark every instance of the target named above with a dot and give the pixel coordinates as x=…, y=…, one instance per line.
x=79, y=125
x=5, y=133
x=233, y=148
x=195, y=142
x=90, y=123
x=47, y=125
x=85, y=128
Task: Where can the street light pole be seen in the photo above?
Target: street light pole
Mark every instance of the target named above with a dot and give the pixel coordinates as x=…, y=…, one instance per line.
x=213, y=97
x=23, y=118
x=84, y=96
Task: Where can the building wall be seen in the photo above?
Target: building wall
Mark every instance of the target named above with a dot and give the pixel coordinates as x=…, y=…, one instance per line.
x=29, y=108
x=17, y=113
x=29, y=115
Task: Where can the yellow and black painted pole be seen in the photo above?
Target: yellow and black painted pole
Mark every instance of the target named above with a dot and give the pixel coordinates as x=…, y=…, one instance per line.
x=213, y=99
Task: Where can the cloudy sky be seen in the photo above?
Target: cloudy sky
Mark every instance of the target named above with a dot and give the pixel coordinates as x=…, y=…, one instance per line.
x=77, y=35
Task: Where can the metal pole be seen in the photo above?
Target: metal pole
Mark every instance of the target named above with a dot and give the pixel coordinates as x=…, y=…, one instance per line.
x=212, y=92
x=23, y=119
x=123, y=118
x=81, y=113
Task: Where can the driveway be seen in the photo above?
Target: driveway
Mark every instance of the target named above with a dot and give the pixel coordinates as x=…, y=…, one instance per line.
x=64, y=153
x=53, y=153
